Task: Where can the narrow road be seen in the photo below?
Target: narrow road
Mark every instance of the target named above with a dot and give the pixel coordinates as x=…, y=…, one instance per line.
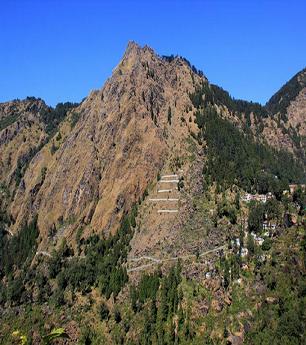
x=144, y=258
x=174, y=258
x=169, y=181
x=164, y=199
x=44, y=254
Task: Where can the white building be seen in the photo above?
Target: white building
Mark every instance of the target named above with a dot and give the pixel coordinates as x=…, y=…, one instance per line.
x=244, y=252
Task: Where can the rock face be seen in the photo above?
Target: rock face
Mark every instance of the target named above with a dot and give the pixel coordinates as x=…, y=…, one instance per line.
x=286, y=127
x=121, y=141
x=93, y=170
x=21, y=134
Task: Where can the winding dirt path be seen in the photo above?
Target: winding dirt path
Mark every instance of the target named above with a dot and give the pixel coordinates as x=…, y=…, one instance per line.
x=175, y=258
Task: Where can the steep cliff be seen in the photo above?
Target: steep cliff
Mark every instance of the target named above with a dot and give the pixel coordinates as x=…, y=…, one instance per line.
x=125, y=133
x=22, y=133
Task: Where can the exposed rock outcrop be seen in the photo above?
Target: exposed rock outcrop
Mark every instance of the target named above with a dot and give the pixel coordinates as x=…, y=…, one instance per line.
x=121, y=141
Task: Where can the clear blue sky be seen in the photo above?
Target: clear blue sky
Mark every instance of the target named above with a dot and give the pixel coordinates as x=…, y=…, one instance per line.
x=61, y=49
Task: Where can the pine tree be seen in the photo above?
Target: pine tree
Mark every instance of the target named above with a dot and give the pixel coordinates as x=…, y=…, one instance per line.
x=134, y=297
x=250, y=244
x=237, y=200
x=169, y=115
x=226, y=277
x=163, y=302
x=153, y=311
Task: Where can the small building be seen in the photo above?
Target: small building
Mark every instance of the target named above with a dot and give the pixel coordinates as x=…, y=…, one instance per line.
x=208, y=275
x=268, y=226
x=294, y=187
x=261, y=198
x=236, y=242
x=258, y=240
x=244, y=252
x=247, y=197
x=262, y=258
x=269, y=196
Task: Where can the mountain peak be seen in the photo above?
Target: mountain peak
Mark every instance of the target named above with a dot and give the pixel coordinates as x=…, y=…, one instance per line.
x=132, y=46
x=134, y=49
x=132, y=56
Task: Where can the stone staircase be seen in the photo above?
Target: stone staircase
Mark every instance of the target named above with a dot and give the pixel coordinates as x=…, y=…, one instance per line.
x=166, y=197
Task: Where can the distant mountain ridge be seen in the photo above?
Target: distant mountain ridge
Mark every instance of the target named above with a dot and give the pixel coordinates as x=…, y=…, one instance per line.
x=280, y=101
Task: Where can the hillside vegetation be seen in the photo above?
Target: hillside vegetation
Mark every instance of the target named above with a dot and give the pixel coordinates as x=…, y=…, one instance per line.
x=159, y=210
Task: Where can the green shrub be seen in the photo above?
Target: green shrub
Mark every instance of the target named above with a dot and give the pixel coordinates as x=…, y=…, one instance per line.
x=267, y=244
x=103, y=312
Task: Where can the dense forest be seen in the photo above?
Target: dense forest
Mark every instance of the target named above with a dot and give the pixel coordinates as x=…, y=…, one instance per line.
x=100, y=266
x=210, y=94
x=52, y=117
x=233, y=157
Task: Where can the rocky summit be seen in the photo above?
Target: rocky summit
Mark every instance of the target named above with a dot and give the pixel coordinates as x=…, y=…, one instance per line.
x=158, y=196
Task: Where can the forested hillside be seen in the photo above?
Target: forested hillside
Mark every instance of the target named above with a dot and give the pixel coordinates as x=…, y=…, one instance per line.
x=159, y=210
